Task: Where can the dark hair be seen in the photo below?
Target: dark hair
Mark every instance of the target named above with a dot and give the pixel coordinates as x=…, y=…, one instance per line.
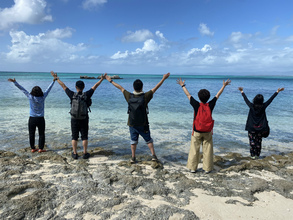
x=204, y=95
x=258, y=101
x=137, y=85
x=37, y=91
x=80, y=84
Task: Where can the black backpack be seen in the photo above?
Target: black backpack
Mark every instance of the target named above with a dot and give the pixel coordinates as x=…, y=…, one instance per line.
x=137, y=110
x=80, y=105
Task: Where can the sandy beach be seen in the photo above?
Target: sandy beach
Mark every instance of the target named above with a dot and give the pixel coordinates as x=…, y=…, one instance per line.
x=54, y=186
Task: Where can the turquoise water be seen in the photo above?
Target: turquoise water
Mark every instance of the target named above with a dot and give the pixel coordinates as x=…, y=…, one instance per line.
x=170, y=113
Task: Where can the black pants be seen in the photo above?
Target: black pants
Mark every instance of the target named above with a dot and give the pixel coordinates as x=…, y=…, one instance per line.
x=33, y=123
x=79, y=126
x=255, y=139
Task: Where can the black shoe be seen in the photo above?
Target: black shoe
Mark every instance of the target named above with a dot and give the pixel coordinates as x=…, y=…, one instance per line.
x=133, y=160
x=74, y=156
x=154, y=158
x=86, y=156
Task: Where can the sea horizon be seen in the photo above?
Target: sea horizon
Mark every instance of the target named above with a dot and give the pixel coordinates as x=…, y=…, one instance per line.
x=213, y=74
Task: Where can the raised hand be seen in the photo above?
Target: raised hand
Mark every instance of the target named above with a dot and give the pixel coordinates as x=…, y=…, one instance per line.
x=240, y=89
x=280, y=89
x=227, y=82
x=11, y=80
x=108, y=77
x=180, y=82
x=54, y=75
x=165, y=76
x=103, y=76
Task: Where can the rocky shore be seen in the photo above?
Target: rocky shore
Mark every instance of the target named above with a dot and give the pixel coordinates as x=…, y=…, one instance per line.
x=52, y=185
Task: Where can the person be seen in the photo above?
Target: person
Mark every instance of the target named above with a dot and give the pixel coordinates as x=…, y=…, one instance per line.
x=79, y=124
x=202, y=129
x=138, y=120
x=257, y=123
x=36, y=120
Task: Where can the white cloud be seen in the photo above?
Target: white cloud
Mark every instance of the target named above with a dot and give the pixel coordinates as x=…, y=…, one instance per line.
x=234, y=57
x=137, y=36
x=205, y=49
x=42, y=48
x=238, y=39
x=120, y=55
x=209, y=60
x=89, y=4
x=149, y=46
x=24, y=11
x=60, y=33
x=235, y=37
x=204, y=30
x=160, y=35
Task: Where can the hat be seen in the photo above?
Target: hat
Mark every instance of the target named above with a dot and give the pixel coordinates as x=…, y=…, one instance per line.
x=80, y=84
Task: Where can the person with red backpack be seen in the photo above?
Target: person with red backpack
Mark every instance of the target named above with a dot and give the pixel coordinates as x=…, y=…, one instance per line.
x=202, y=130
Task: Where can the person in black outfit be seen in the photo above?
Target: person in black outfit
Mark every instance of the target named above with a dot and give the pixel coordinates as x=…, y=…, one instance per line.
x=257, y=123
x=79, y=125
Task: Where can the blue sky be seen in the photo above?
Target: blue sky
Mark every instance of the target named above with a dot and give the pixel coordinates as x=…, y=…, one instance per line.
x=147, y=36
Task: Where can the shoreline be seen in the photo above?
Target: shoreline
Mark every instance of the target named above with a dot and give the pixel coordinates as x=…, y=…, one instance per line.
x=51, y=185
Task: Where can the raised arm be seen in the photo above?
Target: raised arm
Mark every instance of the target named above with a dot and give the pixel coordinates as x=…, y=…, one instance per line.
x=58, y=80
x=248, y=103
x=19, y=86
x=114, y=84
x=49, y=88
x=269, y=101
x=225, y=83
x=182, y=84
x=100, y=81
x=165, y=76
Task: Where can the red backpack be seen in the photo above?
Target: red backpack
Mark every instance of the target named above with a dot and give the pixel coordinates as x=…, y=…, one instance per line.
x=203, y=121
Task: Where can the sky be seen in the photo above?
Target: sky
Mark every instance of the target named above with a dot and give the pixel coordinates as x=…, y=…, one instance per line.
x=147, y=36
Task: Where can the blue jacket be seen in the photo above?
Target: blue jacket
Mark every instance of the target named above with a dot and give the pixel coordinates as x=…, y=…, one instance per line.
x=37, y=104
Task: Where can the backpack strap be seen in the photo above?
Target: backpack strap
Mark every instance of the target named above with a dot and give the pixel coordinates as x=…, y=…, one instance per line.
x=193, y=126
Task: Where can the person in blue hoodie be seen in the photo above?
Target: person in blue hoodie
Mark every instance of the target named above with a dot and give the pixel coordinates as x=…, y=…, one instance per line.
x=36, y=120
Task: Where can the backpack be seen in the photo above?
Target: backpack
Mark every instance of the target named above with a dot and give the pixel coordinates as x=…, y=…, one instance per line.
x=80, y=105
x=137, y=110
x=203, y=121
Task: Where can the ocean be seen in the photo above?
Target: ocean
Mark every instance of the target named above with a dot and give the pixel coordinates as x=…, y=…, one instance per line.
x=170, y=114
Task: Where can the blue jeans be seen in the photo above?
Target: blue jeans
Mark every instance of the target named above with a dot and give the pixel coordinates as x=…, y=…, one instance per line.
x=144, y=131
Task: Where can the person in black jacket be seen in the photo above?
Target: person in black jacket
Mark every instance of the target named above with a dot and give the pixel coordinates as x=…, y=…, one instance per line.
x=257, y=123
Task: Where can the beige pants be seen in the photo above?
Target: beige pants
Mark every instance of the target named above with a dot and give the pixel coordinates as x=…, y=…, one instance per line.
x=206, y=139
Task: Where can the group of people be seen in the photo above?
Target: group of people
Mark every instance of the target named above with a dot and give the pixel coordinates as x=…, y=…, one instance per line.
x=202, y=131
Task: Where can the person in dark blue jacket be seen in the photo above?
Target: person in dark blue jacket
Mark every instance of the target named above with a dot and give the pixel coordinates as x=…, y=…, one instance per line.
x=257, y=123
